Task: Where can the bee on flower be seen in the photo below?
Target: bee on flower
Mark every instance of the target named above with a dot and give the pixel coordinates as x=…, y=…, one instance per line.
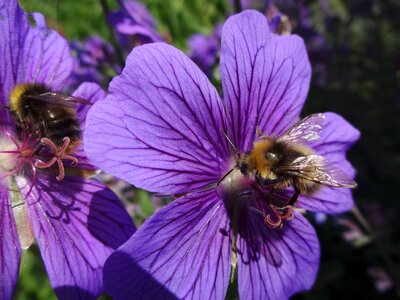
x=45, y=192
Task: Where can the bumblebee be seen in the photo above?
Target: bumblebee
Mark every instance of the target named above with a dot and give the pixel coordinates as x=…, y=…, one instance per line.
x=285, y=161
x=50, y=117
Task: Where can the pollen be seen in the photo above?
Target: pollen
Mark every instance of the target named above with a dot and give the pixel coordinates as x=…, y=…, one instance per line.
x=234, y=181
x=8, y=154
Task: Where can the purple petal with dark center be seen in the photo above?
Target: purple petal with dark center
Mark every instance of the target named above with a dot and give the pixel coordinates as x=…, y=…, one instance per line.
x=10, y=251
x=264, y=76
x=276, y=263
x=29, y=54
x=183, y=251
x=337, y=136
x=161, y=126
x=77, y=224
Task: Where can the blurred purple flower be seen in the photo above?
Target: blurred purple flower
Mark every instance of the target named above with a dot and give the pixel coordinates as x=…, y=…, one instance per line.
x=353, y=233
x=164, y=121
x=92, y=58
x=278, y=22
x=77, y=222
x=204, y=49
x=381, y=279
x=133, y=24
x=300, y=22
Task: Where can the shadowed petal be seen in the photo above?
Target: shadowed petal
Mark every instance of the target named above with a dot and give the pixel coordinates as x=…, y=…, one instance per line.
x=10, y=251
x=181, y=252
x=29, y=54
x=77, y=224
x=161, y=126
x=91, y=92
x=276, y=263
x=125, y=26
x=263, y=75
x=337, y=136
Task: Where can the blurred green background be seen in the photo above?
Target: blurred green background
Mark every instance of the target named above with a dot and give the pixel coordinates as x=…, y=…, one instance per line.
x=360, y=80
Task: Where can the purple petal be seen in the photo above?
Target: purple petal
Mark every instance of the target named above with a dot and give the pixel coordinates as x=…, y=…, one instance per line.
x=45, y=58
x=77, y=224
x=161, y=126
x=264, y=76
x=127, y=28
x=137, y=12
x=29, y=54
x=13, y=28
x=91, y=92
x=183, y=251
x=276, y=263
x=10, y=251
x=337, y=136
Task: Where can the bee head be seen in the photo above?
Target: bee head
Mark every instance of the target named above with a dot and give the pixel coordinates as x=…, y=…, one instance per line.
x=242, y=163
x=244, y=168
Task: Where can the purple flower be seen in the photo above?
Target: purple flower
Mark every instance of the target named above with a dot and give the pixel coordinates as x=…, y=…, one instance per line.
x=134, y=24
x=204, y=49
x=77, y=222
x=92, y=59
x=162, y=128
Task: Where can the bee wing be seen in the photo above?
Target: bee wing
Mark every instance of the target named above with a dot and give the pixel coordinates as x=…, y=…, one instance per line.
x=59, y=99
x=316, y=168
x=306, y=130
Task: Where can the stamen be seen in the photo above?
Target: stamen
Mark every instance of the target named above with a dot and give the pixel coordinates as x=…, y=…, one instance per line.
x=59, y=155
x=278, y=215
x=272, y=224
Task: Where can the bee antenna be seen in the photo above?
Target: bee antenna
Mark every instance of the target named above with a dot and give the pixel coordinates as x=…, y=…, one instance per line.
x=4, y=106
x=231, y=143
x=226, y=175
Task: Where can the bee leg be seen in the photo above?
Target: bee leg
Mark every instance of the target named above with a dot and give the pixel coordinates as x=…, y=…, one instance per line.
x=265, y=182
x=245, y=194
x=293, y=199
x=271, y=181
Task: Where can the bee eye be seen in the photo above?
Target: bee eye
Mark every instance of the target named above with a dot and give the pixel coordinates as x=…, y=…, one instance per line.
x=271, y=156
x=244, y=168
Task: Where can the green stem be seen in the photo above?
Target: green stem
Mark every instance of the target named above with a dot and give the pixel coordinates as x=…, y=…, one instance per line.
x=114, y=42
x=237, y=6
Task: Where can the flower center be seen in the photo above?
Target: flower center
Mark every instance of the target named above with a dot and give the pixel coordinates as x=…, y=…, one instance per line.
x=8, y=157
x=14, y=155
x=273, y=207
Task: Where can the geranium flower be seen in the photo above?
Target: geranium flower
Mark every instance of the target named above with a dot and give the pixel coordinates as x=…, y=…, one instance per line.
x=92, y=60
x=77, y=222
x=134, y=24
x=204, y=49
x=162, y=128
